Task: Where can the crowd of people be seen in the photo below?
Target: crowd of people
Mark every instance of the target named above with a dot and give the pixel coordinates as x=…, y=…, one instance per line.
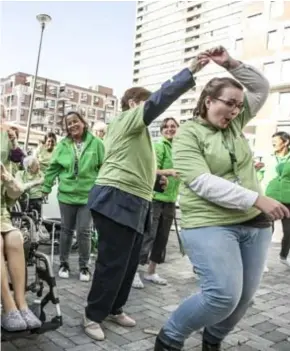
x=116, y=181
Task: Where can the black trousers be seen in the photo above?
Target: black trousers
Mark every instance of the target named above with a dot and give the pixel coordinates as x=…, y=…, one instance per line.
x=118, y=257
x=155, y=242
x=285, y=244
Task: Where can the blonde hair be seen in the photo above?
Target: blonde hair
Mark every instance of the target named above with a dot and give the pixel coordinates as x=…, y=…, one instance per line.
x=100, y=126
x=28, y=162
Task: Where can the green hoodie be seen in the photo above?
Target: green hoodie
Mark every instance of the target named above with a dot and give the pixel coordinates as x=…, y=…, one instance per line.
x=163, y=150
x=276, y=178
x=74, y=189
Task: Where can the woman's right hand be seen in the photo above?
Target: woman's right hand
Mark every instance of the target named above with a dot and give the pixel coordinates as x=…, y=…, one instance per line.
x=272, y=208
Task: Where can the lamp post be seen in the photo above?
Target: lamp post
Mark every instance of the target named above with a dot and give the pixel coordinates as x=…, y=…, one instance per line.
x=43, y=19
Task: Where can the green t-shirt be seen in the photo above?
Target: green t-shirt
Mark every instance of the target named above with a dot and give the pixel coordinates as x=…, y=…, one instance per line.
x=200, y=148
x=43, y=157
x=25, y=177
x=129, y=162
x=163, y=150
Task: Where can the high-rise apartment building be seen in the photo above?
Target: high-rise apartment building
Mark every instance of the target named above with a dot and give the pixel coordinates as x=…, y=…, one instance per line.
x=170, y=33
x=53, y=100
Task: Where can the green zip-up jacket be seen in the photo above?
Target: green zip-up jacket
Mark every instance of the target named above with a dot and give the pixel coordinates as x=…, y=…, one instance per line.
x=276, y=178
x=163, y=150
x=74, y=182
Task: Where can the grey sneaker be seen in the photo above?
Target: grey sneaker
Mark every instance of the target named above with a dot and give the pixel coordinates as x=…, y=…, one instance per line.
x=31, y=320
x=12, y=321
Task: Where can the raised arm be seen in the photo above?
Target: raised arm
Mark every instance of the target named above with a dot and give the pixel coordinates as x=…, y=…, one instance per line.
x=171, y=90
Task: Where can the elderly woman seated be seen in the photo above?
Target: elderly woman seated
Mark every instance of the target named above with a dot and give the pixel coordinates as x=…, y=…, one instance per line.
x=31, y=179
x=17, y=316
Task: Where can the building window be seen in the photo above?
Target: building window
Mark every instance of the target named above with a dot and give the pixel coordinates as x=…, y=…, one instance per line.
x=272, y=40
x=96, y=100
x=51, y=103
x=285, y=73
x=52, y=90
x=84, y=97
x=270, y=71
x=284, y=111
x=276, y=8
x=239, y=46
x=38, y=86
x=91, y=112
x=286, y=37
x=255, y=20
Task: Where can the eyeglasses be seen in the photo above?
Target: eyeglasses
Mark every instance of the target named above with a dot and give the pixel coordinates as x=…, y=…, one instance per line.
x=232, y=104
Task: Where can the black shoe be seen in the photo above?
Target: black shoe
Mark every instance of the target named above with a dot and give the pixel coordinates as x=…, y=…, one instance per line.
x=160, y=346
x=209, y=347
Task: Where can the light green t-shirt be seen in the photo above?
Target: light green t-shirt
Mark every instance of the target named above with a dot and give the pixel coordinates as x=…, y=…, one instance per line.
x=129, y=162
x=44, y=158
x=199, y=148
x=26, y=177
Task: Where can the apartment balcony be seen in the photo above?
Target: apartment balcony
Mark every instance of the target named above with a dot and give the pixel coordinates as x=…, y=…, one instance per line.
x=40, y=105
x=39, y=120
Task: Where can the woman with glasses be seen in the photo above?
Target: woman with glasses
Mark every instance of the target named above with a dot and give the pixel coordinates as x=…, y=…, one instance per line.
x=226, y=221
x=75, y=162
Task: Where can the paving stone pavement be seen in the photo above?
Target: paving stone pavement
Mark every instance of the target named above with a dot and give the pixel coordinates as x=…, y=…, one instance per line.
x=266, y=325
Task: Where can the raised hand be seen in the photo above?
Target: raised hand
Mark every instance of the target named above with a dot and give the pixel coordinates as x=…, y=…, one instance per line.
x=221, y=57
x=199, y=62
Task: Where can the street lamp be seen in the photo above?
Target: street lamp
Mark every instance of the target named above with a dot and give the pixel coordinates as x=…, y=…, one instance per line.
x=43, y=20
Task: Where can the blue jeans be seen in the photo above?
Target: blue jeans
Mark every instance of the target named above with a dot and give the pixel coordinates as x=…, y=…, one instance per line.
x=230, y=262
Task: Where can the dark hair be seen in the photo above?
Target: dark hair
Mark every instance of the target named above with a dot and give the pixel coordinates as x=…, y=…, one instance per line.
x=282, y=135
x=79, y=116
x=164, y=122
x=16, y=130
x=136, y=94
x=213, y=89
x=49, y=135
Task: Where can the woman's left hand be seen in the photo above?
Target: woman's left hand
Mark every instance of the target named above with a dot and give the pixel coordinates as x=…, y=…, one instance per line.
x=221, y=57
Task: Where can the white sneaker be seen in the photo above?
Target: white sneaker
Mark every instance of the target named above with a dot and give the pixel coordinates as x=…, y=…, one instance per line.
x=85, y=275
x=266, y=269
x=64, y=271
x=155, y=278
x=137, y=282
x=285, y=261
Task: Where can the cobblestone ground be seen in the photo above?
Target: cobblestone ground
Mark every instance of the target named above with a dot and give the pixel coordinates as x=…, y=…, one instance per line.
x=265, y=327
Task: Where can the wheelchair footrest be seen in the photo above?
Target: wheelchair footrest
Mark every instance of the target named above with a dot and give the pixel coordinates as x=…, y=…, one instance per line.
x=54, y=324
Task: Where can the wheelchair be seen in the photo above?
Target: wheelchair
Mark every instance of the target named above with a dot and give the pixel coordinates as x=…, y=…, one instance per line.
x=42, y=278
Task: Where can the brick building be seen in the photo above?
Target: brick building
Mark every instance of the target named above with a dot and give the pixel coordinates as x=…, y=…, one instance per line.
x=53, y=99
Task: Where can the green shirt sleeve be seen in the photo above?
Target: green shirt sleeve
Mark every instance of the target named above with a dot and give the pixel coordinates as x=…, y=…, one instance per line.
x=187, y=156
x=159, y=151
x=52, y=171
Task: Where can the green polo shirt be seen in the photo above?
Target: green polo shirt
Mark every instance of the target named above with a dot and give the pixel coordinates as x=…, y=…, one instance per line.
x=129, y=162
